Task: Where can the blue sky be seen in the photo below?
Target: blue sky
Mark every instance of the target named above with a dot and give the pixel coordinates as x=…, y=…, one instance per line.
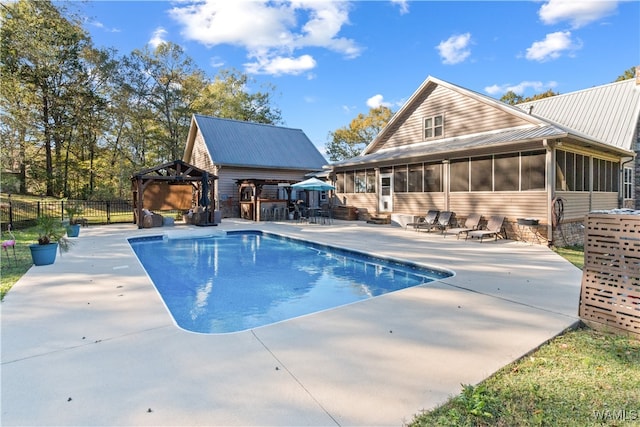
x=331, y=60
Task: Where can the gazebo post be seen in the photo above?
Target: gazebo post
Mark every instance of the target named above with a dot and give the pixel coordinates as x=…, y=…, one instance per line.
x=257, y=191
x=139, y=202
x=212, y=200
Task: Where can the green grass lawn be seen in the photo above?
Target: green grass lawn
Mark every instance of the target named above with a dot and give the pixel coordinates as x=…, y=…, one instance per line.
x=13, y=269
x=581, y=378
x=573, y=254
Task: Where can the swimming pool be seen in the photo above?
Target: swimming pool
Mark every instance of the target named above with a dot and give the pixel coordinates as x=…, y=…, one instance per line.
x=247, y=279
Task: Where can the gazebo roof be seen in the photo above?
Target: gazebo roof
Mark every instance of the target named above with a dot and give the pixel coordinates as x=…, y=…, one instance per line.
x=176, y=171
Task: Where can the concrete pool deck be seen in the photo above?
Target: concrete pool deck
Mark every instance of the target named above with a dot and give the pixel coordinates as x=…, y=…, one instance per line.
x=88, y=341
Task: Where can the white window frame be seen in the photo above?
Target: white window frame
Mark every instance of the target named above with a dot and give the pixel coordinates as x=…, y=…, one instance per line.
x=432, y=126
x=627, y=183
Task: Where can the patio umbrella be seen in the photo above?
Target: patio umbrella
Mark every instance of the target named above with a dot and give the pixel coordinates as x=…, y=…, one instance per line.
x=204, y=190
x=204, y=196
x=313, y=184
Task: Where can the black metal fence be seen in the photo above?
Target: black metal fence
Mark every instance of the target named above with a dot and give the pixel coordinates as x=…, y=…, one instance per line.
x=24, y=214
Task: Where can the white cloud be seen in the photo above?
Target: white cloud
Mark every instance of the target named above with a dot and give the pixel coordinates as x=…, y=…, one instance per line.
x=347, y=109
x=325, y=22
x=578, y=12
x=455, y=49
x=251, y=24
x=403, y=4
x=158, y=37
x=520, y=88
x=281, y=65
x=377, y=101
x=270, y=31
x=100, y=25
x=216, y=62
x=552, y=47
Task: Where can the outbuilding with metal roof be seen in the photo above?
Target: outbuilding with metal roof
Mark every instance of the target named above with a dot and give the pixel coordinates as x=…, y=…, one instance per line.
x=241, y=152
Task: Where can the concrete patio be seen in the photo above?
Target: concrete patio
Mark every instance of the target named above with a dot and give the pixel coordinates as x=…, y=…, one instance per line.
x=88, y=341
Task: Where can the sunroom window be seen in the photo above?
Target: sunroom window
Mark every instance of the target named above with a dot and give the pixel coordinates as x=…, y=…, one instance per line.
x=361, y=181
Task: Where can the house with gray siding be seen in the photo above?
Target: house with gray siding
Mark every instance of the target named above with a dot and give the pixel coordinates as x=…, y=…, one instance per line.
x=453, y=149
x=253, y=161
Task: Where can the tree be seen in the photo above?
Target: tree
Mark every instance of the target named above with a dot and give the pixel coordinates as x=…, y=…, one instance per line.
x=41, y=51
x=349, y=141
x=170, y=85
x=91, y=121
x=15, y=118
x=627, y=75
x=511, y=98
x=227, y=96
x=549, y=93
x=77, y=121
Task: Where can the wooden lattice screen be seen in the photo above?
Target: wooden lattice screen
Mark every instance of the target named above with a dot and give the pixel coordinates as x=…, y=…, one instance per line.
x=610, y=293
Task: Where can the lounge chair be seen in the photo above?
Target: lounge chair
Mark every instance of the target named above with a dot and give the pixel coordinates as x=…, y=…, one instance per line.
x=443, y=221
x=430, y=218
x=471, y=223
x=494, y=227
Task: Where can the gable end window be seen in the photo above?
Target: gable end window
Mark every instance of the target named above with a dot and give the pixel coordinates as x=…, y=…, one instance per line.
x=434, y=127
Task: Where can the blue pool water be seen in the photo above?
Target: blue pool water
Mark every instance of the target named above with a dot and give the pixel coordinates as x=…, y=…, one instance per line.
x=248, y=279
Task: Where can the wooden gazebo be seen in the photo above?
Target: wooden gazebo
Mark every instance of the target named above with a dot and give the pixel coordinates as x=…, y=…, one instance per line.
x=173, y=186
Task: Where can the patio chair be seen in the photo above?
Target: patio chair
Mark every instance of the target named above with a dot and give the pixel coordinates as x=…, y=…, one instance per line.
x=325, y=215
x=300, y=213
x=11, y=243
x=443, y=221
x=493, y=228
x=470, y=223
x=151, y=219
x=430, y=218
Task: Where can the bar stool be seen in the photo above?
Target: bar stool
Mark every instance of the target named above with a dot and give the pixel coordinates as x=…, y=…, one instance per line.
x=275, y=213
x=265, y=213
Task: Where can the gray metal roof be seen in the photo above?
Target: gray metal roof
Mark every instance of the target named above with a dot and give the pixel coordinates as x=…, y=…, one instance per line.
x=607, y=113
x=453, y=147
x=246, y=144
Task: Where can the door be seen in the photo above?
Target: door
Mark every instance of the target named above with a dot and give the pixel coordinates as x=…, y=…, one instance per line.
x=385, y=198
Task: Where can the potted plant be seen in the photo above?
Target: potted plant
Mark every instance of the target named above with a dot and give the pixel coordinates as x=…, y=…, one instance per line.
x=51, y=236
x=73, y=211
